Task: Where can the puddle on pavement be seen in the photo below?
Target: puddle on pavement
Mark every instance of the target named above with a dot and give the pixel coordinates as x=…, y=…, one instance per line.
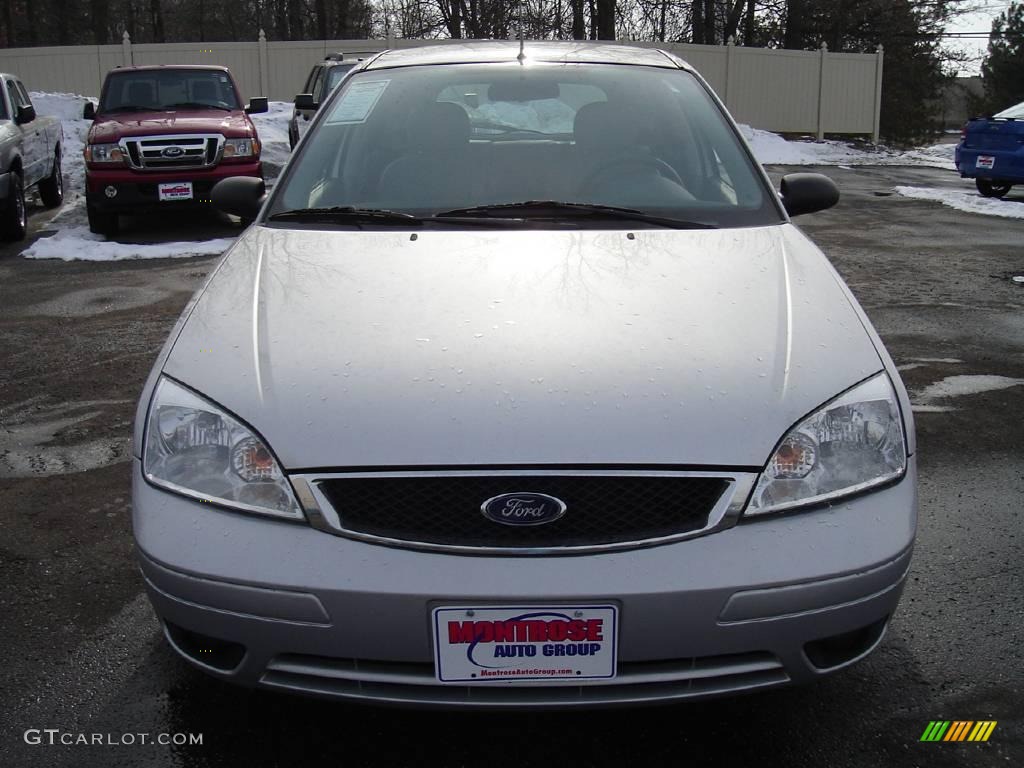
x=28, y=429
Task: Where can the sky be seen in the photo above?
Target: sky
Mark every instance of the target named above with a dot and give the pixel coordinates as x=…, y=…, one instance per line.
x=981, y=21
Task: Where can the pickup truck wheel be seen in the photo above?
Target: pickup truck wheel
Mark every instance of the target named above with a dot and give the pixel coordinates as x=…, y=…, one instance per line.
x=14, y=223
x=51, y=189
x=102, y=223
x=989, y=188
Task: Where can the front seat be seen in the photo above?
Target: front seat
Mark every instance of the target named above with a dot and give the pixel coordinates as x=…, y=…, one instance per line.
x=434, y=173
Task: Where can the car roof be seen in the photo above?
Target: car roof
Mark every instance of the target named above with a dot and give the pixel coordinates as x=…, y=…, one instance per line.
x=145, y=67
x=494, y=51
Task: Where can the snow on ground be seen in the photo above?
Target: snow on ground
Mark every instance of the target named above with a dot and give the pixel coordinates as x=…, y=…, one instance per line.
x=958, y=386
x=77, y=243
x=772, y=149
x=966, y=200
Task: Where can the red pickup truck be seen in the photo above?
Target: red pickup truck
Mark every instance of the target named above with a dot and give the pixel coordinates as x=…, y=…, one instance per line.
x=162, y=136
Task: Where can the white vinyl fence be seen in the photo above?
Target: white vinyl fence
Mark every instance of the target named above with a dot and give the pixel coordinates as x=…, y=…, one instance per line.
x=776, y=90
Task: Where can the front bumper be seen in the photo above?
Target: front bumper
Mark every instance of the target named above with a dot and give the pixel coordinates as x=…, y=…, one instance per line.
x=137, y=190
x=726, y=613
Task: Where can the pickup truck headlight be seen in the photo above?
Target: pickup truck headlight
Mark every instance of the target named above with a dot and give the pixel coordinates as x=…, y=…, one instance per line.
x=194, y=448
x=241, y=148
x=104, y=153
x=850, y=444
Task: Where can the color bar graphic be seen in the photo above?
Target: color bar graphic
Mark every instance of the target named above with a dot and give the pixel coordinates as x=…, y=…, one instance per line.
x=958, y=730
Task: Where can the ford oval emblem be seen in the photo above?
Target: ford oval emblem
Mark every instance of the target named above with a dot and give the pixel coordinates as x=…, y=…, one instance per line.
x=173, y=152
x=523, y=508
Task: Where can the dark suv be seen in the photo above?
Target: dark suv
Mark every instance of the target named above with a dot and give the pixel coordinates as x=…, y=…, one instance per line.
x=323, y=78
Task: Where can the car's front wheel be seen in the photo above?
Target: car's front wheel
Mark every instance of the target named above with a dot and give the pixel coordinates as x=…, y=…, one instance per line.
x=989, y=188
x=101, y=223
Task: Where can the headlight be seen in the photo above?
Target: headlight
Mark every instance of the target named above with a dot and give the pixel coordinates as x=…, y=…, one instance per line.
x=241, y=148
x=194, y=448
x=103, y=153
x=853, y=443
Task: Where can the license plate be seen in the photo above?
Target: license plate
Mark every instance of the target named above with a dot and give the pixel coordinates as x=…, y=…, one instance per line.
x=175, y=190
x=525, y=644
x=985, y=161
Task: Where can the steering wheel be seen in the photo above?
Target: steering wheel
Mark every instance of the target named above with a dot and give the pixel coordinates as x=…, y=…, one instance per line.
x=621, y=164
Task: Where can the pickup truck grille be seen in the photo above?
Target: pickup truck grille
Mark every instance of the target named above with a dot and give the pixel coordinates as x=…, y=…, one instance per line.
x=161, y=153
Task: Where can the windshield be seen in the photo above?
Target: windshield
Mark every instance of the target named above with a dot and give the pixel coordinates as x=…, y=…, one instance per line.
x=431, y=139
x=159, y=89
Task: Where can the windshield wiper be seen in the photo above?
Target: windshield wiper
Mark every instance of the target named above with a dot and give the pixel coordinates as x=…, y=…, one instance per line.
x=347, y=213
x=195, y=105
x=554, y=209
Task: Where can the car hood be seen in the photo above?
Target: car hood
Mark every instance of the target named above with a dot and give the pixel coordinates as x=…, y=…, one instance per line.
x=366, y=349
x=110, y=128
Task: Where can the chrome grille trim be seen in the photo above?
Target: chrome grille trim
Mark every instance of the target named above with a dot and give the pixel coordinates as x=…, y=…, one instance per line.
x=199, y=150
x=322, y=515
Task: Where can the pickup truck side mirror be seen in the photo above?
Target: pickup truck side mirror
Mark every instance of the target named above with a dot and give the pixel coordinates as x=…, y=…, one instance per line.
x=26, y=114
x=306, y=101
x=807, y=193
x=89, y=111
x=241, y=196
x=257, y=105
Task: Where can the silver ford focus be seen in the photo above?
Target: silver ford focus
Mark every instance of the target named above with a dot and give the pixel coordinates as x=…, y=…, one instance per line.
x=523, y=391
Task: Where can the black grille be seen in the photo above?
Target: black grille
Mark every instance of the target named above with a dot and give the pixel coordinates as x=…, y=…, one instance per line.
x=601, y=509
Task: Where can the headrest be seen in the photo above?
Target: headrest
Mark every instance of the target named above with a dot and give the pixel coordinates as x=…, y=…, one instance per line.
x=441, y=125
x=601, y=125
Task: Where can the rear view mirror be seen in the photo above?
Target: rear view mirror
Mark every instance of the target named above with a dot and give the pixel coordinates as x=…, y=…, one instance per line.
x=89, y=111
x=257, y=105
x=807, y=193
x=240, y=196
x=306, y=101
x=26, y=114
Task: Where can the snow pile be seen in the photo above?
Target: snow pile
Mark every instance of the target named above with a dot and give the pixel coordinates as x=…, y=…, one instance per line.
x=966, y=200
x=68, y=108
x=772, y=149
x=77, y=243
x=272, y=126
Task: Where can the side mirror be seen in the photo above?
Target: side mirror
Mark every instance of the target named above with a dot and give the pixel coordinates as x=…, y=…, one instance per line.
x=306, y=101
x=26, y=114
x=257, y=104
x=241, y=196
x=89, y=111
x=807, y=193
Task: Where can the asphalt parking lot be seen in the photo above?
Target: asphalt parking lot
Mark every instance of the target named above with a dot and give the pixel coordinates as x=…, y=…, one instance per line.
x=81, y=648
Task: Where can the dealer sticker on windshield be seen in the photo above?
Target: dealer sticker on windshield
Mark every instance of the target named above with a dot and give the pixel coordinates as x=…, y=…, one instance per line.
x=985, y=161
x=175, y=190
x=525, y=643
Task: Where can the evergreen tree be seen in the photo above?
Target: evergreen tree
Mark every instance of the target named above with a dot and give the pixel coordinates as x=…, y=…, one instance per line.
x=1003, y=69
